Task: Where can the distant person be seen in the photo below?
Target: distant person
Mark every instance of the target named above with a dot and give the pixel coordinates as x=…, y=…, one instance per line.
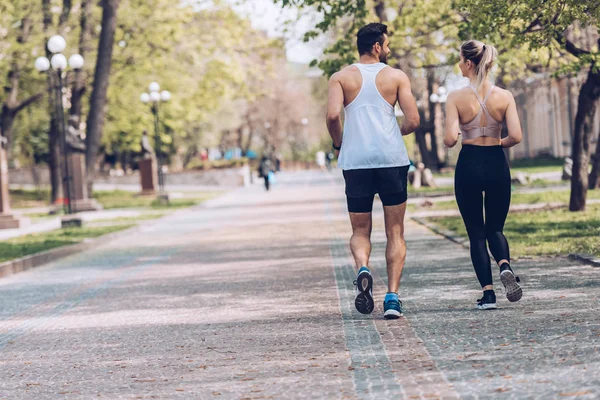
x=329, y=159
x=266, y=171
x=320, y=158
x=478, y=112
x=277, y=163
x=373, y=156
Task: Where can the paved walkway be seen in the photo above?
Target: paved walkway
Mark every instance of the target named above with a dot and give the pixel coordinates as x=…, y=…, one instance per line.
x=251, y=296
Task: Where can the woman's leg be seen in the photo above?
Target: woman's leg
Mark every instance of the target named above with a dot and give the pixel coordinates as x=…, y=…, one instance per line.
x=497, y=204
x=469, y=197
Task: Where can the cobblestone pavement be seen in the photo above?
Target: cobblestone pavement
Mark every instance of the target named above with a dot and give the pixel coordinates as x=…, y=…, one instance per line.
x=251, y=296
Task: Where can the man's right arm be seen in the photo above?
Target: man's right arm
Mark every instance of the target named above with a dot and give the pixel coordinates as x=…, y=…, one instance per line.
x=335, y=102
x=408, y=105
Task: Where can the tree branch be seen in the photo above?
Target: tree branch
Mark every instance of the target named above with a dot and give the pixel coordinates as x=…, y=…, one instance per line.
x=533, y=24
x=28, y=101
x=570, y=47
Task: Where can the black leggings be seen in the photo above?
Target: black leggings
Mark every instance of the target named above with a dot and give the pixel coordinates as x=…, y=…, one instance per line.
x=479, y=170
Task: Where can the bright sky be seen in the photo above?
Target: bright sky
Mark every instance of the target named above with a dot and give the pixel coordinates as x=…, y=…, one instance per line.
x=270, y=17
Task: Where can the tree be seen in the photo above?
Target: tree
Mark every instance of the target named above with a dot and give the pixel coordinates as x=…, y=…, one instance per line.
x=95, y=120
x=551, y=25
x=20, y=18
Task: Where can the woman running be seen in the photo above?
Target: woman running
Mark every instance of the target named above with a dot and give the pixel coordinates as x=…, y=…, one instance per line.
x=482, y=174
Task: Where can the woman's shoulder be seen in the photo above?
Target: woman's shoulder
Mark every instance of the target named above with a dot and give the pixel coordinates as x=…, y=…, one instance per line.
x=503, y=92
x=459, y=93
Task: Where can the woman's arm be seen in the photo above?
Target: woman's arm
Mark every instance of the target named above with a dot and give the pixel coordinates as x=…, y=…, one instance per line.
x=452, y=122
x=515, y=134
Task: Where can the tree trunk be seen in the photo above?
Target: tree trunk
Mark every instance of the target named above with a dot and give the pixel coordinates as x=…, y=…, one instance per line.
x=434, y=156
x=420, y=136
x=584, y=120
x=95, y=120
x=594, y=178
x=54, y=163
x=84, y=48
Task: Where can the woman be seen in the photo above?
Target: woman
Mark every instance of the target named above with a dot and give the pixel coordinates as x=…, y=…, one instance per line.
x=482, y=174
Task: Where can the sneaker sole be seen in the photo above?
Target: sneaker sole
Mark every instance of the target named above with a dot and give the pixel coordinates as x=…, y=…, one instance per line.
x=514, y=292
x=364, y=301
x=392, y=314
x=487, y=306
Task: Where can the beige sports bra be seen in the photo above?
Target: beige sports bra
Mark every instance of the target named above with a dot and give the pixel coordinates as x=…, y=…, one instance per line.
x=473, y=129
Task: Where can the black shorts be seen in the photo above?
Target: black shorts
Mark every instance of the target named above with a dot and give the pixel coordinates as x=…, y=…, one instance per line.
x=362, y=184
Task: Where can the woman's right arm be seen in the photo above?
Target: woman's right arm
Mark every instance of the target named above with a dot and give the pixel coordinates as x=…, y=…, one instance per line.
x=515, y=134
x=452, y=122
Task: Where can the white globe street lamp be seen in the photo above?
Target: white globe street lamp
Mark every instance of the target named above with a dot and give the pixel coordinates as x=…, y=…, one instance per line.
x=154, y=87
x=440, y=96
x=57, y=44
x=42, y=64
x=76, y=61
x=154, y=97
x=59, y=62
x=165, y=95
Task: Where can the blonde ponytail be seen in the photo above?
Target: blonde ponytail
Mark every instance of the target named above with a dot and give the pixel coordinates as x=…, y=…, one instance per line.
x=482, y=55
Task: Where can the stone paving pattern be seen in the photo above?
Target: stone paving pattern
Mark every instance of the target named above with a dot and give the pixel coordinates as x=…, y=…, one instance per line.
x=251, y=296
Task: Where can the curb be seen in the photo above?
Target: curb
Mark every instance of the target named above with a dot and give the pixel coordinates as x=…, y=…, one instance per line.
x=445, y=233
x=38, y=259
x=586, y=258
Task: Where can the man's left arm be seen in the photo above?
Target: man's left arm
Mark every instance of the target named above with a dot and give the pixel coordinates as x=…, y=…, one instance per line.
x=335, y=102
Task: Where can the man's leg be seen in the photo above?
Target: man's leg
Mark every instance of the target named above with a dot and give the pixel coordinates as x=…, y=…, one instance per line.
x=395, y=253
x=360, y=242
x=359, y=195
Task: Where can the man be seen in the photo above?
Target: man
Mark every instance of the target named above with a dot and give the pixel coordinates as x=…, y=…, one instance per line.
x=373, y=156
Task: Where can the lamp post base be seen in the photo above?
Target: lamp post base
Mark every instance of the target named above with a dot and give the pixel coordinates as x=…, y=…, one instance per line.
x=163, y=198
x=71, y=221
x=9, y=221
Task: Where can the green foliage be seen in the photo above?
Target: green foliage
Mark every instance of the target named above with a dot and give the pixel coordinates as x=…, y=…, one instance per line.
x=534, y=26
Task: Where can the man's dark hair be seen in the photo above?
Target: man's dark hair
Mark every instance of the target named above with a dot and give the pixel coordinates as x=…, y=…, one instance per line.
x=368, y=35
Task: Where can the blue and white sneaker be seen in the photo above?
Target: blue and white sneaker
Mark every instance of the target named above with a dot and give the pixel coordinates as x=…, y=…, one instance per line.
x=364, y=291
x=392, y=306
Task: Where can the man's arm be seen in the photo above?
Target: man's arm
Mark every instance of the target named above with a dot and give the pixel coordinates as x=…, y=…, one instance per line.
x=452, y=122
x=408, y=105
x=335, y=102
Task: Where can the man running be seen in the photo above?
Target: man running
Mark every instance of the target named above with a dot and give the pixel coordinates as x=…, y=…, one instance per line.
x=373, y=156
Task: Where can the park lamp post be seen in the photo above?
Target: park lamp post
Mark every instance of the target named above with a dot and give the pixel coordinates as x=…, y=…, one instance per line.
x=58, y=62
x=154, y=98
x=440, y=97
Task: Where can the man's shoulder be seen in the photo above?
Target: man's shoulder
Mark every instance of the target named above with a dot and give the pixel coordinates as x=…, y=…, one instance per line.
x=395, y=74
x=345, y=72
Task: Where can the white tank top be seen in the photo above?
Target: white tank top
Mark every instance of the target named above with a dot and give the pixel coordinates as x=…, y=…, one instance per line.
x=372, y=137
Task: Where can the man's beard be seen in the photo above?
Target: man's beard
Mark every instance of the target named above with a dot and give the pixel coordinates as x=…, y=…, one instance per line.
x=383, y=58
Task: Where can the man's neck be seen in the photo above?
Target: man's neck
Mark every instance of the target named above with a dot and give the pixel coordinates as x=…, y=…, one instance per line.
x=368, y=59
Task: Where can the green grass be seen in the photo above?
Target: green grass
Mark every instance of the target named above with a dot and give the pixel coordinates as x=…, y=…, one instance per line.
x=517, y=198
x=26, y=198
x=123, y=199
x=31, y=244
x=537, y=169
x=545, y=233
